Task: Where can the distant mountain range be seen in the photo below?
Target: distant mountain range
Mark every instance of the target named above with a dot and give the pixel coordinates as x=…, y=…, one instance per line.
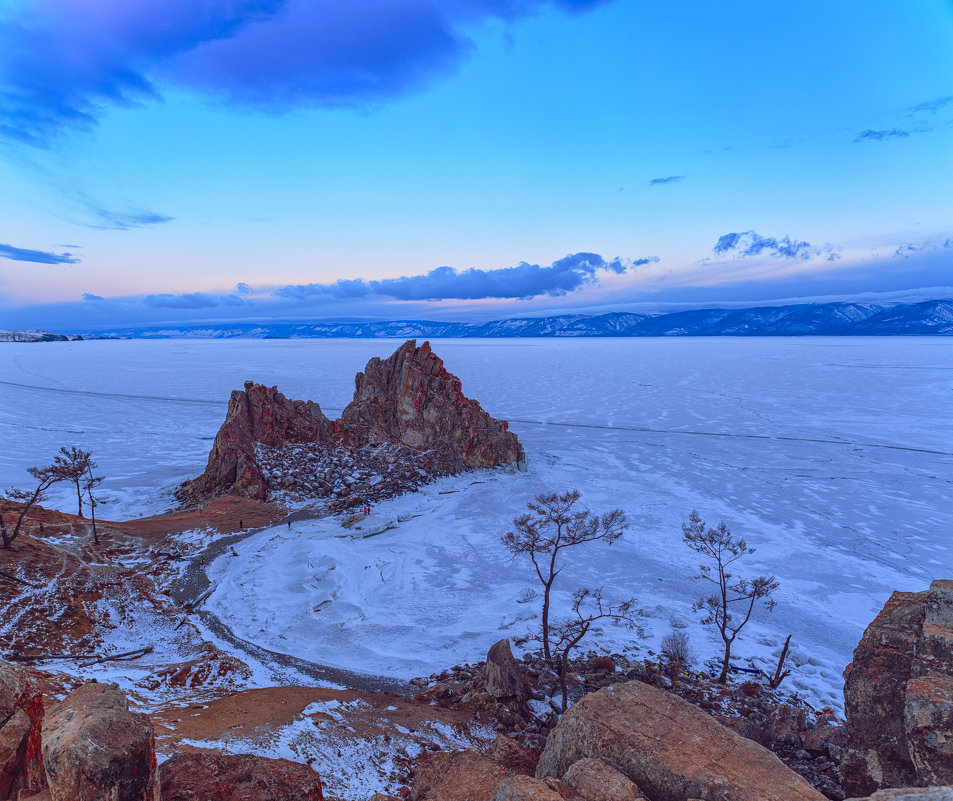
x=926, y=318
x=36, y=336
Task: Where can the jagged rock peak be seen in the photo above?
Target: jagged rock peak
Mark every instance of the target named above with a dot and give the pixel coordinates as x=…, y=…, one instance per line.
x=411, y=398
x=408, y=402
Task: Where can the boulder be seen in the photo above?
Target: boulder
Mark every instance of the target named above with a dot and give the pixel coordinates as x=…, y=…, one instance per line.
x=898, y=694
x=594, y=780
x=508, y=753
x=21, y=721
x=95, y=749
x=237, y=777
x=670, y=749
x=525, y=788
x=457, y=776
x=502, y=675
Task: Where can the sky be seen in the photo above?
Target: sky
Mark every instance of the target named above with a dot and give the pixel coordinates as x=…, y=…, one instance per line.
x=213, y=160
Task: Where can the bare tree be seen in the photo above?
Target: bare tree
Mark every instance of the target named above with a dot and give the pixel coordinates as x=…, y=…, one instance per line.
x=780, y=674
x=721, y=549
x=72, y=464
x=588, y=608
x=90, y=484
x=553, y=524
x=45, y=478
x=677, y=653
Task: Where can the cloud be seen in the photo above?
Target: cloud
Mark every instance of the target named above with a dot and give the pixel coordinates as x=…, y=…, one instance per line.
x=65, y=62
x=190, y=300
x=91, y=296
x=243, y=289
x=671, y=179
x=445, y=283
x=750, y=243
x=881, y=136
x=36, y=256
x=110, y=220
x=932, y=106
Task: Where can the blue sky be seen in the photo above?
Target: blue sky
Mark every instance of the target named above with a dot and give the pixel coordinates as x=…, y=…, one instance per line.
x=254, y=159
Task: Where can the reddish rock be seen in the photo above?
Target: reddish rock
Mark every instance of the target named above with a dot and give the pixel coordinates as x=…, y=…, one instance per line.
x=408, y=401
x=95, y=749
x=411, y=398
x=509, y=754
x=594, y=780
x=241, y=777
x=457, y=776
x=898, y=694
x=910, y=794
x=21, y=721
x=524, y=788
x=670, y=749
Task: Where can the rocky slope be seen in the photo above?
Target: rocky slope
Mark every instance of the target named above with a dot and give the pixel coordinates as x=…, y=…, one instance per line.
x=409, y=421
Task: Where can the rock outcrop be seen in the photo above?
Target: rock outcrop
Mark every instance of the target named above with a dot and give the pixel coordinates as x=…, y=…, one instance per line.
x=95, y=749
x=898, y=694
x=910, y=794
x=457, y=776
x=409, y=421
x=21, y=720
x=241, y=777
x=501, y=674
x=670, y=749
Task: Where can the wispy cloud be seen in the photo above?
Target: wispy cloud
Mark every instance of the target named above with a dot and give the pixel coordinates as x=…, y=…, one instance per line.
x=881, y=136
x=669, y=179
x=90, y=296
x=750, y=243
x=65, y=62
x=36, y=256
x=444, y=283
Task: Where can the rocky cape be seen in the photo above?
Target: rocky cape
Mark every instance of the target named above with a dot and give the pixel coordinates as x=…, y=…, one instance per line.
x=408, y=423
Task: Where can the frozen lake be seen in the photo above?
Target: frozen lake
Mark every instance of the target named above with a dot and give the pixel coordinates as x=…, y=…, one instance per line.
x=831, y=456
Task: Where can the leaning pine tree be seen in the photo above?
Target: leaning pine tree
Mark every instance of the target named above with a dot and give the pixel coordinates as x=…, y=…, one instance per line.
x=732, y=603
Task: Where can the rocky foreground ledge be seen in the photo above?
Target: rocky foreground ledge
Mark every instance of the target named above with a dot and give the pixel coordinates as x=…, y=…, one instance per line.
x=409, y=422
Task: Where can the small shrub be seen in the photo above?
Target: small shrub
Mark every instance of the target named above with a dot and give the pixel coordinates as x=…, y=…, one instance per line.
x=605, y=663
x=750, y=689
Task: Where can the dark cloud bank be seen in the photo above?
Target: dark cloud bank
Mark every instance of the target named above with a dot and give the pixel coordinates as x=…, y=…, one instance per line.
x=65, y=61
x=36, y=256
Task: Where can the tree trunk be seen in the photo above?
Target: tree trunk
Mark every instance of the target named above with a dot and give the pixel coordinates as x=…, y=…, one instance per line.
x=79, y=500
x=723, y=678
x=563, y=670
x=546, y=650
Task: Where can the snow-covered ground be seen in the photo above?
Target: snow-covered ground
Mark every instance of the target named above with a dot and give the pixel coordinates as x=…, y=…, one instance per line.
x=831, y=456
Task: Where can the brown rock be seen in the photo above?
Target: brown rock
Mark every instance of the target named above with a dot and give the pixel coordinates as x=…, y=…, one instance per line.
x=502, y=675
x=525, y=788
x=669, y=748
x=408, y=400
x=240, y=777
x=456, y=776
x=898, y=694
x=95, y=749
x=508, y=753
x=594, y=780
x=411, y=398
x=21, y=719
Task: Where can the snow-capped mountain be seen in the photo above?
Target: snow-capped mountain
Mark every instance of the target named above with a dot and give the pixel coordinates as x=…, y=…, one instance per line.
x=931, y=317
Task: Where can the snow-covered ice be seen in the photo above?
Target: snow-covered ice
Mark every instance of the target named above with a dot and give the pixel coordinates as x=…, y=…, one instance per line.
x=831, y=456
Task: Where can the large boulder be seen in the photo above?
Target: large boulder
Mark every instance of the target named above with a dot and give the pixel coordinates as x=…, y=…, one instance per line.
x=457, y=776
x=594, y=780
x=241, y=777
x=502, y=676
x=21, y=721
x=670, y=749
x=898, y=694
x=95, y=749
x=524, y=788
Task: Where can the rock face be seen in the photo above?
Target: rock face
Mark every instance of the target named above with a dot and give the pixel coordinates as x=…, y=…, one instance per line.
x=594, y=780
x=217, y=777
x=21, y=719
x=409, y=416
x=411, y=398
x=670, y=749
x=898, y=694
x=457, y=776
x=502, y=674
x=95, y=749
